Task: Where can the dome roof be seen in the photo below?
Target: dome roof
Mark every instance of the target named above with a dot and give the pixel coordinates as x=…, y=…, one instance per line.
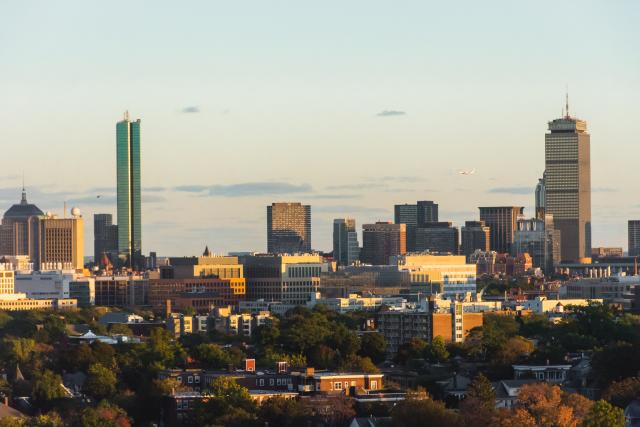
x=23, y=209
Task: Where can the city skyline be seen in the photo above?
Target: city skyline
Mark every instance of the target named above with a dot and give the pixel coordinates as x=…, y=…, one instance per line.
x=383, y=89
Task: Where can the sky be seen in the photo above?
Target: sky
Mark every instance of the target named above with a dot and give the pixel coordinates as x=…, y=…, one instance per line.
x=351, y=107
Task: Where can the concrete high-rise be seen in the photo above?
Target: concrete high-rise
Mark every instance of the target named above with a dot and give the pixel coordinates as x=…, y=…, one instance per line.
x=345, y=241
x=634, y=237
x=501, y=221
x=407, y=214
x=381, y=241
x=427, y=212
x=60, y=242
x=568, y=184
x=475, y=235
x=105, y=237
x=438, y=237
x=288, y=228
x=129, y=190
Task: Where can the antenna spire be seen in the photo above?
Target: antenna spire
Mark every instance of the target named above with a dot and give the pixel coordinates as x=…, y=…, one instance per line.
x=126, y=115
x=567, y=102
x=23, y=201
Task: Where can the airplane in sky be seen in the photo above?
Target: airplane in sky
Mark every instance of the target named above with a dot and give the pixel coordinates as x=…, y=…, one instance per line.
x=467, y=172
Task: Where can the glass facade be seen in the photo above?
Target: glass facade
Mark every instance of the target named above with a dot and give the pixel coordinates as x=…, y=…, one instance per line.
x=128, y=186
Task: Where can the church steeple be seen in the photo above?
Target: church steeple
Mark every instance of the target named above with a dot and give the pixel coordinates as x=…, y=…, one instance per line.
x=206, y=251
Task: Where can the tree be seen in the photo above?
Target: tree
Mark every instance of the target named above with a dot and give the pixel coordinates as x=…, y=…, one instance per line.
x=105, y=415
x=49, y=420
x=283, y=412
x=436, y=351
x=18, y=350
x=212, y=355
x=512, y=350
x=101, y=382
x=550, y=407
x=615, y=362
x=345, y=341
x=355, y=363
x=517, y=417
x=266, y=335
x=120, y=329
x=418, y=412
x=621, y=393
x=479, y=405
x=47, y=387
x=412, y=350
x=604, y=414
x=229, y=405
x=373, y=346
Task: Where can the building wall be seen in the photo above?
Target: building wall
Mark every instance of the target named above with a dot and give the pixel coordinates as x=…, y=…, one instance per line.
x=381, y=241
x=633, y=231
x=568, y=185
x=60, y=242
x=501, y=221
x=288, y=228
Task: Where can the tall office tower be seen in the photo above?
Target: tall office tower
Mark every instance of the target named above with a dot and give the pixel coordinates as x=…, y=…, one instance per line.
x=540, y=201
x=634, y=237
x=345, y=241
x=427, y=212
x=501, y=221
x=540, y=240
x=381, y=241
x=288, y=228
x=105, y=237
x=440, y=237
x=475, y=235
x=128, y=186
x=408, y=215
x=15, y=232
x=60, y=242
x=568, y=184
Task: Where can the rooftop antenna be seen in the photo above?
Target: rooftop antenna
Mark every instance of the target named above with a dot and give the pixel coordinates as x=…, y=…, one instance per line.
x=24, y=192
x=64, y=210
x=126, y=115
x=567, y=102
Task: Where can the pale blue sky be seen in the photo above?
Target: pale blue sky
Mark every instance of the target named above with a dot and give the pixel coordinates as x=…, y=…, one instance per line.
x=289, y=92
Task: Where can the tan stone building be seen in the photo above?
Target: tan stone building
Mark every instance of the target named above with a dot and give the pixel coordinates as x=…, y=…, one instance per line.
x=60, y=242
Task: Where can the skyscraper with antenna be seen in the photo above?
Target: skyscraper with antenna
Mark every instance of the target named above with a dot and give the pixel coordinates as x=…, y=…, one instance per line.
x=567, y=183
x=129, y=209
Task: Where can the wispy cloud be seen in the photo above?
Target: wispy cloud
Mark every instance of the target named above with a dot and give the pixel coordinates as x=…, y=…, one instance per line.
x=511, y=190
x=603, y=190
x=191, y=109
x=153, y=189
x=333, y=196
x=391, y=113
x=357, y=186
x=350, y=209
x=247, y=189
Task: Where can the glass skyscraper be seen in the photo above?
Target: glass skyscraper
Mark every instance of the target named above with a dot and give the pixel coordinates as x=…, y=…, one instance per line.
x=128, y=185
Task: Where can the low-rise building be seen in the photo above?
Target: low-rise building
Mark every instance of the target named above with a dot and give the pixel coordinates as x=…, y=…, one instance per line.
x=543, y=305
x=57, y=284
x=290, y=279
x=356, y=302
x=434, y=273
x=226, y=322
x=612, y=290
x=121, y=290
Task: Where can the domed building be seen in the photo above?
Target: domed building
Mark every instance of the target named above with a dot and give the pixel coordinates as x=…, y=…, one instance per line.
x=15, y=231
